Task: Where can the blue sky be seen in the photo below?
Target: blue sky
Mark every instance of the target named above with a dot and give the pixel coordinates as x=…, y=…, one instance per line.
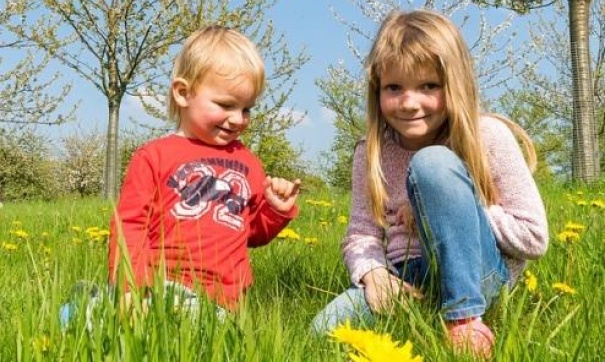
x=312, y=24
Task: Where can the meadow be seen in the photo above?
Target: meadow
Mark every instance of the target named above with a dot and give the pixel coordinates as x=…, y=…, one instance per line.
x=555, y=313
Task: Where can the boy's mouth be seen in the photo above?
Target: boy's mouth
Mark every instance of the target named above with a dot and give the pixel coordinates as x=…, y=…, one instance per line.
x=226, y=130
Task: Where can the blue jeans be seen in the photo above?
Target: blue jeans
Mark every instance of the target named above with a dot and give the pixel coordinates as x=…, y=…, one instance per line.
x=461, y=265
x=183, y=298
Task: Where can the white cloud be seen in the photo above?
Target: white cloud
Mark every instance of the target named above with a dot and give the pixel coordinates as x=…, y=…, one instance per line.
x=327, y=115
x=133, y=105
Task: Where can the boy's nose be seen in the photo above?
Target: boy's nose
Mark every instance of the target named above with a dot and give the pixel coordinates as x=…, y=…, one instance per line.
x=238, y=118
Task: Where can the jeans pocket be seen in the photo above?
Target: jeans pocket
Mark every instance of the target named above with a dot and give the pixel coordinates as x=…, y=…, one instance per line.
x=491, y=286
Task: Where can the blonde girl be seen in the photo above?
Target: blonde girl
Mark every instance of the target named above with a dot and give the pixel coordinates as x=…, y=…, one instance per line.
x=444, y=203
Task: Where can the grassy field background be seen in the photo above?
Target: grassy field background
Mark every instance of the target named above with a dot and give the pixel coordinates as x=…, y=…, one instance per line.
x=556, y=313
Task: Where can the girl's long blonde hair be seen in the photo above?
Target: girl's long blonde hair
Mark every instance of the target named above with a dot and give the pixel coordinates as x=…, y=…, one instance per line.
x=420, y=39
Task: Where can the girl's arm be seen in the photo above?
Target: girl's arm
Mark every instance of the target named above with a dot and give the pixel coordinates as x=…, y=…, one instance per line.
x=363, y=249
x=519, y=218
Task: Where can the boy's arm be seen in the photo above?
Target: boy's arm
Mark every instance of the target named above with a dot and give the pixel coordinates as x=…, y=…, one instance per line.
x=275, y=210
x=130, y=223
x=267, y=222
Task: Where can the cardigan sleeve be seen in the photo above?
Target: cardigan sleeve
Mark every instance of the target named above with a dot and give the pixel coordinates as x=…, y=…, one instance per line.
x=518, y=219
x=363, y=248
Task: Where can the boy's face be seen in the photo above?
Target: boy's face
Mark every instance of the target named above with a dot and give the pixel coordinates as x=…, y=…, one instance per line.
x=218, y=111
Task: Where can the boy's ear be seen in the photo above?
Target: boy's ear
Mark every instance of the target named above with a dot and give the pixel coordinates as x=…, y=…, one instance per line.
x=180, y=92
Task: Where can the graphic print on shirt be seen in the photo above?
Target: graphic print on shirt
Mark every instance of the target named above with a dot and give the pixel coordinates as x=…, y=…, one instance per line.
x=202, y=189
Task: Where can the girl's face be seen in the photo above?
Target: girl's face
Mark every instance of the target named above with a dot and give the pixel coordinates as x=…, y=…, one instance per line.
x=413, y=104
x=219, y=109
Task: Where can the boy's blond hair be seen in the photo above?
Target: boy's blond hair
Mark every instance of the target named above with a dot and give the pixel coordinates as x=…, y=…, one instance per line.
x=219, y=50
x=426, y=39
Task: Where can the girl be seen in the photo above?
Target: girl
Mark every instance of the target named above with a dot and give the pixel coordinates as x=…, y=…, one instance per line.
x=445, y=187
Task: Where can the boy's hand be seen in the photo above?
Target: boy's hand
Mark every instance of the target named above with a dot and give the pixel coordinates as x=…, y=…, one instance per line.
x=281, y=193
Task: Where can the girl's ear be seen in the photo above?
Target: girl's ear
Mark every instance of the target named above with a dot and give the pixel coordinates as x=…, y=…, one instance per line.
x=180, y=92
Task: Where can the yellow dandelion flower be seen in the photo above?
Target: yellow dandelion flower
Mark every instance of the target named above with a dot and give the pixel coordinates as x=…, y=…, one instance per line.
x=574, y=226
x=311, y=241
x=41, y=344
x=378, y=352
x=598, y=203
x=353, y=337
x=342, y=219
x=581, y=202
x=9, y=246
x=76, y=229
x=563, y=288
x=370, y=346
x=104, y=233
x=568, y=236
x=288, y=233
x=321, y=203
x=92, y=230
x=531, y=282
x=94, y=236
x=580, y=192
x=21, y=234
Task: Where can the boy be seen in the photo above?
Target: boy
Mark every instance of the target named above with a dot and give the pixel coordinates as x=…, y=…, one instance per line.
x=193, y=201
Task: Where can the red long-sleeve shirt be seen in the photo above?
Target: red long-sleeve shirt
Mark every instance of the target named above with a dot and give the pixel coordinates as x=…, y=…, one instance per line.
x=193, y=209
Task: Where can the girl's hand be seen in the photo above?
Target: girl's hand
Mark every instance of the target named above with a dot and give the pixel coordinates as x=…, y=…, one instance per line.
x=382, y=289
x=281, y=193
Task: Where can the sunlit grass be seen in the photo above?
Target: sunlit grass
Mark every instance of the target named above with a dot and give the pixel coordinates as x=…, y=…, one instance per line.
x=555, y=313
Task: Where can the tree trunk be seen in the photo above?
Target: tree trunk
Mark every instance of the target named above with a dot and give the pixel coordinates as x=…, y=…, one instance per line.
x=110, y=189
x=585, y=163
x=114, y=99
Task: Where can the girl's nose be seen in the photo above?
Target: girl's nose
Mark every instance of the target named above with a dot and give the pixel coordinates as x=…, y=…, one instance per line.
x=408, y=101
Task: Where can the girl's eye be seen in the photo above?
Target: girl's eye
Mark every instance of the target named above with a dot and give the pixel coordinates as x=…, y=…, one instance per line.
x=392, y=87
x=431, y=86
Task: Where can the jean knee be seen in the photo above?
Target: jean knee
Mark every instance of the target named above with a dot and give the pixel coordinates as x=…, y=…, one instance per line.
x=350, y=305
x=435, y=164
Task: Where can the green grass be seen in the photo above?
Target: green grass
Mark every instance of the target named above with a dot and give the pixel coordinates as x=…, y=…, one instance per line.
x=294, y=279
